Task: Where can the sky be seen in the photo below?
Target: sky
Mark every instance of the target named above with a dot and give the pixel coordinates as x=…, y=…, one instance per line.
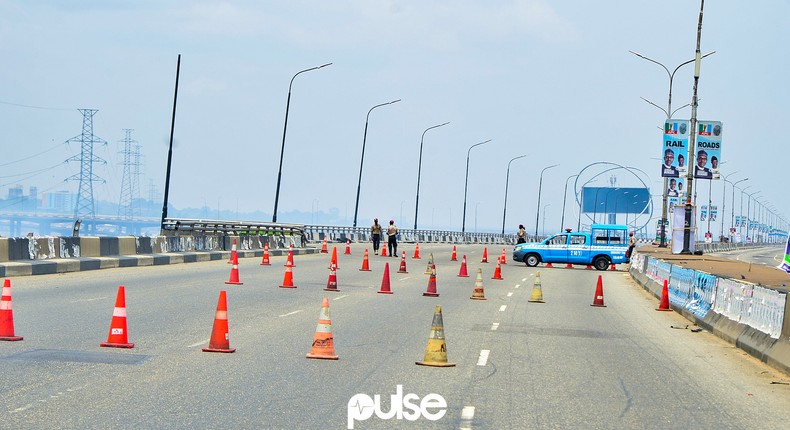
x=552, y=80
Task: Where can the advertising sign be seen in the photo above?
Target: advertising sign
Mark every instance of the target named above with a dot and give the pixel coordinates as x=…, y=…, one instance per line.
x=675, y=148
x=708, y=149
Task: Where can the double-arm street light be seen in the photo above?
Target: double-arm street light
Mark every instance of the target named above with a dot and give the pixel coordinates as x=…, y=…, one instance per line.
x=419, y=168
x=540, y=186
x=362, y=158
x=507, y=179
x=285, y=128
x=466, y=182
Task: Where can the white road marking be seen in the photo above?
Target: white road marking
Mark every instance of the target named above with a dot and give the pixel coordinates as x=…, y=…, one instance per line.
x=483, y=359
x=468, y=412
x=202, y=342
x=89, y=300
x=341, y=297
x=494, y=326
x=509, y=294
x=502, y=308
x=518, y=285
x=290, y=313
x=523, y=279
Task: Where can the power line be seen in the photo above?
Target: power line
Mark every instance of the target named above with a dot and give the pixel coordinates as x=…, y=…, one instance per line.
x=33, y=107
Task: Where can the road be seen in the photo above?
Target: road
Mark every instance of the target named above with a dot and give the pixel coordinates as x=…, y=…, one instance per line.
x=560, y=364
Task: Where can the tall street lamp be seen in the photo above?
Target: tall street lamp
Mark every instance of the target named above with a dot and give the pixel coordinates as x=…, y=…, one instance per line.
x=748, y=213
x=544, y=217
x=419, y=169
x=285, y=128
x=507, y=179
x=732, y=215
x=564, y=197
x=466, y=182
x=362, y=158
x=540, y=186
x=668, y=112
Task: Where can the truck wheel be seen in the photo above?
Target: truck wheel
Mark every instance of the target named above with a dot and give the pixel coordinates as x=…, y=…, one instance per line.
x=532, y=260
x=601, y=263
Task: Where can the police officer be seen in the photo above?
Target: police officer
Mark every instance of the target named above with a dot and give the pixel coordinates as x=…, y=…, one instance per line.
x=392, y=239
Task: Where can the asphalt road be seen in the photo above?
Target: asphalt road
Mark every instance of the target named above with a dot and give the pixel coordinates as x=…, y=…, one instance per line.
x=520, y=365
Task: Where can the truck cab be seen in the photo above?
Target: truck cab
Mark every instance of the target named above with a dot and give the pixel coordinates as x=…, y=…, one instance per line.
x=604, y=245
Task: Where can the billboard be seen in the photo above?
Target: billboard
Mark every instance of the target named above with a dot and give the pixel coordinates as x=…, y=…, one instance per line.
x=675, y=148
x=615, y=200
x=708, y=156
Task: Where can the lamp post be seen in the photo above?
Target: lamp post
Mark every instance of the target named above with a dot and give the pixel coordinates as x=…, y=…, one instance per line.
x=285, y=128
x=466, y=182
x=362, y=158
x=540, y=186
x=544, y=217
x=419, y=168
x=748, y=212
x=564, y=197
x=668, y=112
x=476, y=205
x=507, y=179
x=740, y=212
x=732, y=215
x=724, y=202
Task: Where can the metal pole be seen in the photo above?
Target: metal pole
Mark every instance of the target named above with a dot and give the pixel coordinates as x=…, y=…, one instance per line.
x=564, y=197
x=362, y=158
x=170, y=150
x=419, y=169
x=285, y=128
x=466, y=182
x=507, y=179
x=540, y=186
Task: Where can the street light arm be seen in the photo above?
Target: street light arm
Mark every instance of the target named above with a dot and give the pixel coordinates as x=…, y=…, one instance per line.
x=466, y=182
x=540, y=185
x=662, y=109
x=419, y=168
x=507, y=179
x=380, y=105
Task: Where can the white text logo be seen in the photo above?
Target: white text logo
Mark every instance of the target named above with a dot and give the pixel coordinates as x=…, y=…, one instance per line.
x=362, y=407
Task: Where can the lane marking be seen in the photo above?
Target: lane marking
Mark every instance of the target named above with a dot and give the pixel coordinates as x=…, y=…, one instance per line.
x=502, y=308
x=523, y=279
x=341, y=297
x=483, y=357
x=202, y=342
x=494, y=326
x=468, y=412
x=291, y=313
x=518, y=285
x=509, y=294
x=89, y=300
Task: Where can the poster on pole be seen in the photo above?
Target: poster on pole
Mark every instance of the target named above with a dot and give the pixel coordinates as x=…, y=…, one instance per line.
x=675, y=148
x=714, y=210
x=708, y=156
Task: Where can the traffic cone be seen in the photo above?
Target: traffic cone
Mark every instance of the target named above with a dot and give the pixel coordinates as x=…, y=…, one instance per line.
x=462, y=272
x=324, y=249
x=331, y=284
x=664, y=304
x=436, y=351
x=118, y=336
x=365, y=262
x=265, y=261
x=612, y=267
x=348, y=247
x=416, y=255
x=431, y=291
x=234, y=273
x=383, y=251
x=454, y=256
x=234, y=255
x=588, y=267
x=497, y=272
x=504, y=257
x=220, y=341
x=537, y=290
x=288, y=279
x=549, y=265
x=402, y=268
x=598, y=300
x=333, y=261
x=485, y=256
x=7, y=314
x=385, y=280
x=430, y=264
x=323, y=342
x=290, y=259
x=569, y=266
x=479, y=293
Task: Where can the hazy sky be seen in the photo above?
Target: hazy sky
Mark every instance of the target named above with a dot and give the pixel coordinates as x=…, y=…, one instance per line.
x=551, y=79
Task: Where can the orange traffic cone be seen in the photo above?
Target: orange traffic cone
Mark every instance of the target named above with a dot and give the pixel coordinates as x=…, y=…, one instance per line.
x=331, y=284
x=569, y=266
x=598, y=300
x=234, y=255
x=288, y=279
x=613, y=267
x=416, y=255
x=588, y=267
x=479, y=293
x=234, y=273
x=324, y=250
x=549, y=265
x=462, y=273
x=431, y=291
x=402, y=268
x=7, y=314
x=485, y=256
x=384, y=251
x=664, y=304
x=220, y=341
x=497, y=272
x=323, y=342
x=436, y=351
x=365, y=262
x=290, y=259
x=333, y=261
x=454, y=256
x=385, y=280
x=118, y=337
x=265, y=261
x=504, y=256
x=348, y=247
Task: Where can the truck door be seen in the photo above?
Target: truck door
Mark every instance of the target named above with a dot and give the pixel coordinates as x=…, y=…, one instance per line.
x=556, y=249
x=578, y=249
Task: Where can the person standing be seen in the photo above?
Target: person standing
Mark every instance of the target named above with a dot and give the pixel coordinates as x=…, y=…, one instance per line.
x=375, y=233
x=522, y=234
x=631, y=246
x=392, y=239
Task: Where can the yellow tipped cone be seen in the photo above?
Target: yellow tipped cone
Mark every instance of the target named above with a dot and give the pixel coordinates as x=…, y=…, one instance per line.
x=436, y=351
x=537, y=291
x=479, y=293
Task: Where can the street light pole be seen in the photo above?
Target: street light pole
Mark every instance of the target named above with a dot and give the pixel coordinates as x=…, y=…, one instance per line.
x=564, y=197
x=285, y=128
x=507, y=179
x=466, y=182
x=544, y=217
x=724, y=203
x=362, y=158
x=732, y=215
x=419, y=168
x=540, y=186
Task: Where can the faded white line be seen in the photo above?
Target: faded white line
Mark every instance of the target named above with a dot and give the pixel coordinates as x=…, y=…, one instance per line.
x=509, y=294
x=518, y=285
x=290, y=313
x=494, y=326
x=502, y=308
x=468, y=412
x=89, y=300
x=20, y=409
x=341, y=297
x=523, y=279
x=483, y=359
x=202, y=342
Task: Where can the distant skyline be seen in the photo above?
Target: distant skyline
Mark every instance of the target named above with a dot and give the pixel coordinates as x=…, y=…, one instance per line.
x=552, y=80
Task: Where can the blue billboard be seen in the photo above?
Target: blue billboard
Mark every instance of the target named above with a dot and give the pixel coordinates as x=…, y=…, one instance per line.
x=615, y=200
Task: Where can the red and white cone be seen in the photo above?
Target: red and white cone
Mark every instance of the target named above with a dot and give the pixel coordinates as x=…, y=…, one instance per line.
x=7, y=315
x=265, y=261
x=118, y=336
x=463, y=273
x=220, y=339
x=234, y=273
x=402, y=268
x=331, y=283
x=233, y=253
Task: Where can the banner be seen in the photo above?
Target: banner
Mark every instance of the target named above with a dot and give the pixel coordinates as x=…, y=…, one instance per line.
x=675, y=148
x=703, y=213
x=708, y=149
x=714, y=210
x=786, y=261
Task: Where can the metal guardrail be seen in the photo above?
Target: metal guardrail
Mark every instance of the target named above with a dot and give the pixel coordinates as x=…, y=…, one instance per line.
x=178, y=226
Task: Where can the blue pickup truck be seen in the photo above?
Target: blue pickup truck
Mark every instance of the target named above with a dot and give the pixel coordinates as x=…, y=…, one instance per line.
x=604, y=245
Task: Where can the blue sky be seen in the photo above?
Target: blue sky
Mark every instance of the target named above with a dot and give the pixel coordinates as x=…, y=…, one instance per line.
x=553, y=80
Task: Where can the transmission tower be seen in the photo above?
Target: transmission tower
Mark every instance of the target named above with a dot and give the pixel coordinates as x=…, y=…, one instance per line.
x=85, y=206
x=130, y=184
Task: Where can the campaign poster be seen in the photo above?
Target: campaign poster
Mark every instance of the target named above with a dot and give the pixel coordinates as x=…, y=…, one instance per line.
x=703, y=213
x=675, y=148
x=708, y=155
x=714, y=210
